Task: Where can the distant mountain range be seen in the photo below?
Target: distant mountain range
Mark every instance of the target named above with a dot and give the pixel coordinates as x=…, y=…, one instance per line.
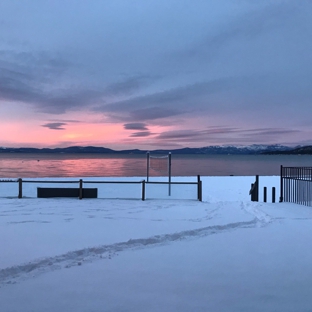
x=302, y=150
x=209, y=150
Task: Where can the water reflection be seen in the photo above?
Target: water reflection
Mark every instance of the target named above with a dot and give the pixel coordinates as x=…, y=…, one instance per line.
x=92, y=165
x=60, y=165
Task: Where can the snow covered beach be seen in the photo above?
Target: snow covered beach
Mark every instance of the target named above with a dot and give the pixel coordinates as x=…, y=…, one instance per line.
x=223, y=254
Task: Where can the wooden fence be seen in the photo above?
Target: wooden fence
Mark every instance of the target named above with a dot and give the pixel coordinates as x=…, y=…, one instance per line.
x=254, y=192
x=81, y=190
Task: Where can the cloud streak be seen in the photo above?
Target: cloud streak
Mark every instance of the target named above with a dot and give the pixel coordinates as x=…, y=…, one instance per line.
x=140, y=134
x=221, y=135
x=135, y=126
x=55, y=125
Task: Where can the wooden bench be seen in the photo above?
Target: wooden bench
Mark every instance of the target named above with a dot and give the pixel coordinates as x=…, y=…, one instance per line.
x=47, y=192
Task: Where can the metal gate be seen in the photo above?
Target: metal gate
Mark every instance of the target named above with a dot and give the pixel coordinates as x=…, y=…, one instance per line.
x=296, y=185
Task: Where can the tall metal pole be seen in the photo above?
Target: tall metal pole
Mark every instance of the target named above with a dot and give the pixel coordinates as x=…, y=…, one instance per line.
x=148, y=165
x=169, y=172
x=257, y=187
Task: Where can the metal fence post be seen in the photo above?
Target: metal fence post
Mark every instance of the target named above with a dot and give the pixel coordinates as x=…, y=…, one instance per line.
x=281, y=185
x=147, y=165
x=169, y=174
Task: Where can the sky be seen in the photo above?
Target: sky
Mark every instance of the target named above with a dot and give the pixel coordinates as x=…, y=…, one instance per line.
x=154, y=74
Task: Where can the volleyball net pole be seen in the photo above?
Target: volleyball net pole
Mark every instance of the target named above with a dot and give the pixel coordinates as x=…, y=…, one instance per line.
x=169, y=173
x=148, y=165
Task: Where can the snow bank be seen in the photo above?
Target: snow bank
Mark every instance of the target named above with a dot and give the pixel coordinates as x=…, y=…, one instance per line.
x=223, y=254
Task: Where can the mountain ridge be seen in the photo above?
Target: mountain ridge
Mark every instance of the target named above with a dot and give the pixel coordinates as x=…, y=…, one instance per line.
x=301, y=150
x=208, y=150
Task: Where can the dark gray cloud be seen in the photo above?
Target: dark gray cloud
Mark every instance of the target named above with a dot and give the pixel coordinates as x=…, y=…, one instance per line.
x=153, y=113
x=190, y=133
x=269, y=132
x=126, y=87
x=56, y=102
x=140, y=134
x=55, y=125
x=28, y=78
x=65, y=120
x=67, y=101
x=12, y=89
x=35, y=66
x=36, y=79
x=129, y=85
x=163, y=104
x=135, y=126
x=239, y=96
x=17, y=85
x=247, y=28
x=142, y=127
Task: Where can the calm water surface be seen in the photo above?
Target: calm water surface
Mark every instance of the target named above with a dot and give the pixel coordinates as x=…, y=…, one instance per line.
x=93, y=165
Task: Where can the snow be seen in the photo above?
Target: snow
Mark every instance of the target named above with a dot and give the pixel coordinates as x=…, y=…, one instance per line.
x=223, y=254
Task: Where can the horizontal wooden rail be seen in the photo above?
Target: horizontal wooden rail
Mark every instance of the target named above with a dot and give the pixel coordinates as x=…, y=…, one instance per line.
x=52, y=181
x=8, y=181
x=81, y=182
x=195, y=183
x=114, y=182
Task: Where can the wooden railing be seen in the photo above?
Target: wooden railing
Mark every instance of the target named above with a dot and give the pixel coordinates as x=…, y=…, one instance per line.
x=80, y=189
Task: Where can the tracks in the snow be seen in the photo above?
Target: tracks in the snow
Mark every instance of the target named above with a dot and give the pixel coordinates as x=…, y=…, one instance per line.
x=17, y=273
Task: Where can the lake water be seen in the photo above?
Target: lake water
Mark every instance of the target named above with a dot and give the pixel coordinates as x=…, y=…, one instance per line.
x=93, y=165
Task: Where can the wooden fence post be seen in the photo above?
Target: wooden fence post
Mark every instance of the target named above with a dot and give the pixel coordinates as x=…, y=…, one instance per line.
x=20, y=188
x=265, y=194
x=80, y=189
x=257, y=188
x=273, y=194
x=199, y=189
x=254, y=190
x=143, y=190
x=251, y=193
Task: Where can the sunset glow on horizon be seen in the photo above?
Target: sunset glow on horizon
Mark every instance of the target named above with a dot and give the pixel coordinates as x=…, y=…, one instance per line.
x=155, y=74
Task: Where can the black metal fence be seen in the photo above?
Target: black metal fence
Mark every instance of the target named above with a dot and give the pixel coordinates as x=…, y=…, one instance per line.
x=296, y=185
